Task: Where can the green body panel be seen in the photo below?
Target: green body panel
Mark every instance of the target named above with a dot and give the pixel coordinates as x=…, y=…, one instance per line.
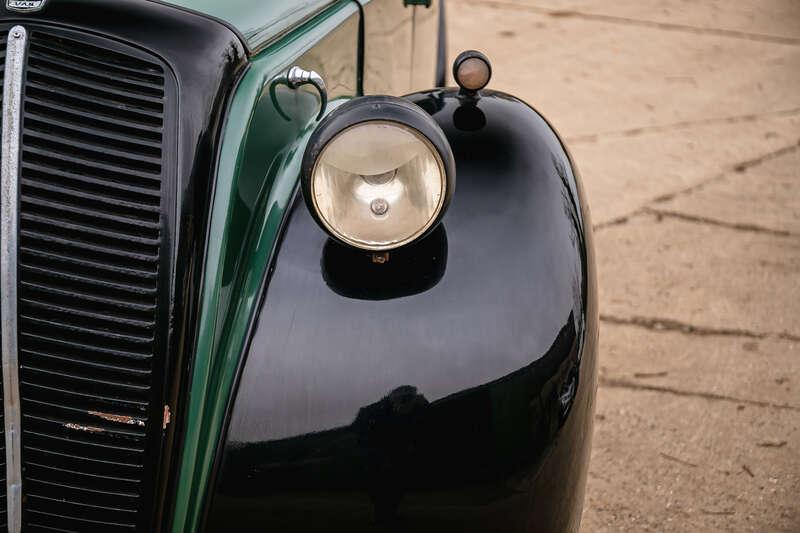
x=257, y=176
x=258, y=21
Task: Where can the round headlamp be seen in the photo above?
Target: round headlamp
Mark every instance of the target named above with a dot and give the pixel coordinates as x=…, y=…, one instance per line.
x=378, y=173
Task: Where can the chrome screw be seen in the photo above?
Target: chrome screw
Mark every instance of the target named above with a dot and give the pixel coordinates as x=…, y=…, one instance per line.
x=379, y=206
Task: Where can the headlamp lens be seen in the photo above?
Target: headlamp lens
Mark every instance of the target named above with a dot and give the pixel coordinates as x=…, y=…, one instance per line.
x=378, y=185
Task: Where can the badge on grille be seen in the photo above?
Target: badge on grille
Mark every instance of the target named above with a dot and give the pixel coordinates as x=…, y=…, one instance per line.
x=25, y=6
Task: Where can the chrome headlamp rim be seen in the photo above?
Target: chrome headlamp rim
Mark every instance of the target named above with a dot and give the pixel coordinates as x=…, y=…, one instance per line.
x=379, y=110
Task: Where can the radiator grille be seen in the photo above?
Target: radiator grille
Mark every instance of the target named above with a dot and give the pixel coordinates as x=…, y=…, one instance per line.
x=92, y=286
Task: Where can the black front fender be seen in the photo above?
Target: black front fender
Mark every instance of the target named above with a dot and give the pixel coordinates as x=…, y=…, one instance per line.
x=449, y=389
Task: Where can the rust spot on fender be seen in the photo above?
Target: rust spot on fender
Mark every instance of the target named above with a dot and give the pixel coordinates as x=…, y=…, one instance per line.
x=122, y=419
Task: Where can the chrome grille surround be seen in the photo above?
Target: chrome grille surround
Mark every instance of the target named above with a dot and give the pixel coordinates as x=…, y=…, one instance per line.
x=12, y=102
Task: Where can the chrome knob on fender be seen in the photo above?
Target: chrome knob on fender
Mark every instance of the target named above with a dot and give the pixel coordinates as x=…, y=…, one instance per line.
x=296, y=77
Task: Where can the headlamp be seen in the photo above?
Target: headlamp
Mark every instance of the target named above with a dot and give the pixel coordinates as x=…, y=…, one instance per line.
x=378, y=173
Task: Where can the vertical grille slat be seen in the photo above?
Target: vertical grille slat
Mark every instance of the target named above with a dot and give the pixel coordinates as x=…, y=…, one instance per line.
x=93, y=295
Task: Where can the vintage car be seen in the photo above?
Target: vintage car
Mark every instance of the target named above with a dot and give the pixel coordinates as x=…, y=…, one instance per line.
x=261, y=271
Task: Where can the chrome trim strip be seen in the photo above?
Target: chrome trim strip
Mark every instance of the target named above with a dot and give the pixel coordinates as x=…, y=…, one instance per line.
x=9, y=172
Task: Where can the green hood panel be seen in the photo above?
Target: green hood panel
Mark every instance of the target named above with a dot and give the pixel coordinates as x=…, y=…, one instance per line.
x=257, y=175
x=258, y=21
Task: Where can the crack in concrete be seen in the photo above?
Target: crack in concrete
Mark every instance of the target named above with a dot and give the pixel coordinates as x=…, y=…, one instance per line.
x=724, y=512
x=741, y=166
x=621, y=383
x=642, y=130
x=627, y=21
x=668, y=324
x=677, y=459
x=739, y=226
x=618, y=221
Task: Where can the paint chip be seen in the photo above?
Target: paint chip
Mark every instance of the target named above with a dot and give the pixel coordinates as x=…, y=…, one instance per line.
x=87, y=429
x=122, y=419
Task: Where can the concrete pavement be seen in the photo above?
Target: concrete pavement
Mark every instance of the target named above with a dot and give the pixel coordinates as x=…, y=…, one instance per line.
x=684, y=118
